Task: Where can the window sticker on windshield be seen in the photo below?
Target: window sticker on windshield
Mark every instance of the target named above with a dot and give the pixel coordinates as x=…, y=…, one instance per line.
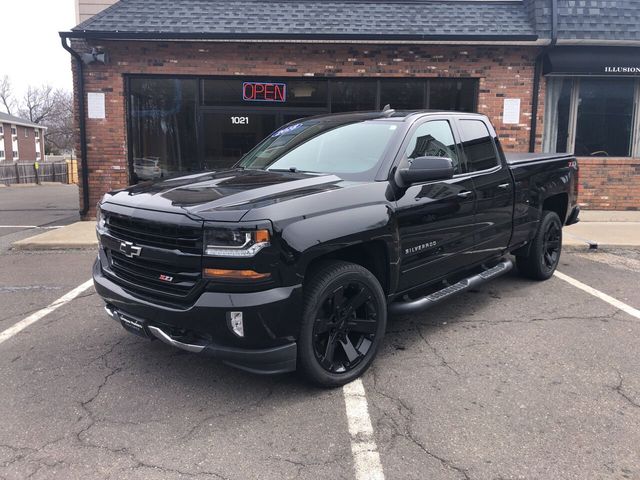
x=286, y=130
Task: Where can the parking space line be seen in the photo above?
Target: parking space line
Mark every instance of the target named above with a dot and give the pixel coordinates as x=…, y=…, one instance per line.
x=34, y=317
x=363, y=443
x=30, y=226
x=602, y=296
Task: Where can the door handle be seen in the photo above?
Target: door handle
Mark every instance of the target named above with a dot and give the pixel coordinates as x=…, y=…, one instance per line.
x=465, y=194
x=504, y=185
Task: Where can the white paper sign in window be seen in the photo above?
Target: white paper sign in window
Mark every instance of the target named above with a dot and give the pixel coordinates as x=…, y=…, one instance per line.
x=511, y=111
x=96, y=105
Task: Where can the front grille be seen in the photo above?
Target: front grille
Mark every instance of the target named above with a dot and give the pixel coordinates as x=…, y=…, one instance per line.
x=187, y=239
x=169, y=267
x=142, y=276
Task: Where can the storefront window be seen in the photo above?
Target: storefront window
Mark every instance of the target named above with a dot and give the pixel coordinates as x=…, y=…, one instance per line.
x=452, y=94
x=352, y=95
x=188, y=124
x=605, y=117
x=591, y=116
x=163, y=127
x=402, y=95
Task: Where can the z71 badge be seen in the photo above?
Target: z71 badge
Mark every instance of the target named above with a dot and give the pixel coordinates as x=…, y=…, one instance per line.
x=419, y=248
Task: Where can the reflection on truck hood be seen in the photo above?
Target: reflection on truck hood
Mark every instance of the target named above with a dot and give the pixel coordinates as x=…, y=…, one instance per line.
x=223, y=195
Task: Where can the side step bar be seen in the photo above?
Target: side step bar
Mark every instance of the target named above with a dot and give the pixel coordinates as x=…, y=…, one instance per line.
x=413, y=306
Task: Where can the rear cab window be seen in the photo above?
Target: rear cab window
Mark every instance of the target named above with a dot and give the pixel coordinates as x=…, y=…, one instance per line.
x=478, y=145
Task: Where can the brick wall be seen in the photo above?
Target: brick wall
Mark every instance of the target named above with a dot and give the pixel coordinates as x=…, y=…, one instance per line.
x=610, y=183
x=503, y=72
x=26, y=144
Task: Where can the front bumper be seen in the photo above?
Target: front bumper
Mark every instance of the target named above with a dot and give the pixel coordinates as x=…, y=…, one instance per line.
x=270, y=319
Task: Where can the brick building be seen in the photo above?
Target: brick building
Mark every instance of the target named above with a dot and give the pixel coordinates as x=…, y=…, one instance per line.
x=187, y=85
x=20, y=140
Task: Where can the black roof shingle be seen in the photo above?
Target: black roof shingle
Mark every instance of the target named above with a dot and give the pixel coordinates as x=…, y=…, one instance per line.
x=617, y=20
x=309, y=18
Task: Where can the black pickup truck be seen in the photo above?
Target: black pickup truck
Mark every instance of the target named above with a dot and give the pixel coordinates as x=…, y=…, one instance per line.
x=294, y=258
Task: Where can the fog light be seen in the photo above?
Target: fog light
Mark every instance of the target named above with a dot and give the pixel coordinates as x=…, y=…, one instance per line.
x=236, y=324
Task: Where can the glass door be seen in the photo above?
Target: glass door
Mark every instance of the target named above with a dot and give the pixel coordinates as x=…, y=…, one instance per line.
x=228, y=135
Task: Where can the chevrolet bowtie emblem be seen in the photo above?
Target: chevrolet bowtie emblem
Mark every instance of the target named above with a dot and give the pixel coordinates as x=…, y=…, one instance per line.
x=129, y=249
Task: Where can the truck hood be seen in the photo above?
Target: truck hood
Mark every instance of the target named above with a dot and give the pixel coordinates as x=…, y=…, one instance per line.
x=225, y=195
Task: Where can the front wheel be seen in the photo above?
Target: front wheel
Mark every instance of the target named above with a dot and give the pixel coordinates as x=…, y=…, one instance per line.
x=545, y=249
x=344, y=320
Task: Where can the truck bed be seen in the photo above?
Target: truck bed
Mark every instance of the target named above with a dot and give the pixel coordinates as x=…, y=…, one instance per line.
x=520, y=158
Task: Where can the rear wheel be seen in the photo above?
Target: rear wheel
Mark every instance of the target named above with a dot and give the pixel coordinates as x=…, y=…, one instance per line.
x=545, y=249
x=344, y=319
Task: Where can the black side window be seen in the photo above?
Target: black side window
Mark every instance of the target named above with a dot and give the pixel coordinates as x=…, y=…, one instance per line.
x=478, y=145
x=434, y=139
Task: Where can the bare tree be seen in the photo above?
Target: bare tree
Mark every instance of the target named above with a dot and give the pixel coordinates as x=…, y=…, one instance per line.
x=6, y=95
x=59, y=136
x=38, y=104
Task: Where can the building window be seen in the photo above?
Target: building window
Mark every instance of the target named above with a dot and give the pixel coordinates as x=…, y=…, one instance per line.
x=15, y=155
x=2, y=157
x=38, y=155
x=592, y=117
x=352, y=95
x=14, y=130
x=26, y=132
x=1, y=130
x=37, y=133
x=163, y=127
x=188, y=124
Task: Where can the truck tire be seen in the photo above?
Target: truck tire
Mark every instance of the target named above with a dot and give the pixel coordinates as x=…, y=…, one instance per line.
x=545, y=249
x=343, y=323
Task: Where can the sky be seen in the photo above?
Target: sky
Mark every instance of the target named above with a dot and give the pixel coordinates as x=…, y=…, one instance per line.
x=32, y=53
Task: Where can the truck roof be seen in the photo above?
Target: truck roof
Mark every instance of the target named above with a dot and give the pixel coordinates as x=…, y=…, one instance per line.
x=408, y=116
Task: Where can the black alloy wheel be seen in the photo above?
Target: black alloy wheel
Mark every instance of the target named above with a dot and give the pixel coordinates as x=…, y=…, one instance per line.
x=551, y=248
x=543, y=255
x=344, y=319
x=345, y=327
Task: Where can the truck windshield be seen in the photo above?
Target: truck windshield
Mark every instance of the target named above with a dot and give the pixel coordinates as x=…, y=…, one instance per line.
x=353, y=148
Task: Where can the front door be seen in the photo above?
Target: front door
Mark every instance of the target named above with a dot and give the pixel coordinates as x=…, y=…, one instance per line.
x=228, y=135
x=436, y=219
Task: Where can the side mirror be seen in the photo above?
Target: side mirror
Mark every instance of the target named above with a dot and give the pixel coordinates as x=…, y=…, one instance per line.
x=424, y=169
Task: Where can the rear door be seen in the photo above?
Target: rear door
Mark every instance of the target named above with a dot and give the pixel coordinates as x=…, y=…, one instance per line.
x=435, y=219
x=492, y=184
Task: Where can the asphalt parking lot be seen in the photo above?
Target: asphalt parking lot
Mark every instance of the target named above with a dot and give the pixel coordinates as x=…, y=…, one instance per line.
x=516, y=380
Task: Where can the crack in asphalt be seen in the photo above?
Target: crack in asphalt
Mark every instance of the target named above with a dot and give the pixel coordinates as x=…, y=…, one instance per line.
x=443, y=361
x=407, y=431
x=138, y=463
x=254, y=405
x=619, y=388
x=302, y=465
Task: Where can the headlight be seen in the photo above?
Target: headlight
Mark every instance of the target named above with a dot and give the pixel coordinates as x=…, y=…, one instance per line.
x=234, y=243
x=101, y=221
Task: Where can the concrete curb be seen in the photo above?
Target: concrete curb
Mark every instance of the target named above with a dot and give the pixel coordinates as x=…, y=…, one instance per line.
x=79, y=235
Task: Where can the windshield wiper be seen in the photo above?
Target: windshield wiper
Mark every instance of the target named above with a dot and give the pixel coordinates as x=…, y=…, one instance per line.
x=290, y=169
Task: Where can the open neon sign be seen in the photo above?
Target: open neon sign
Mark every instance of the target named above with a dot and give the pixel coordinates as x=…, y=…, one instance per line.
x=264, y=92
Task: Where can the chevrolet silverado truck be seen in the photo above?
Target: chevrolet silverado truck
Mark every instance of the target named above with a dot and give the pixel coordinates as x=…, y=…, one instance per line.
x=294, y=258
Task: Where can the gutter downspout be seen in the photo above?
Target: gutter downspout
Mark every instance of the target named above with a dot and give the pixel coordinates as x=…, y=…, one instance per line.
x=537, y=74
x=82, y=125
